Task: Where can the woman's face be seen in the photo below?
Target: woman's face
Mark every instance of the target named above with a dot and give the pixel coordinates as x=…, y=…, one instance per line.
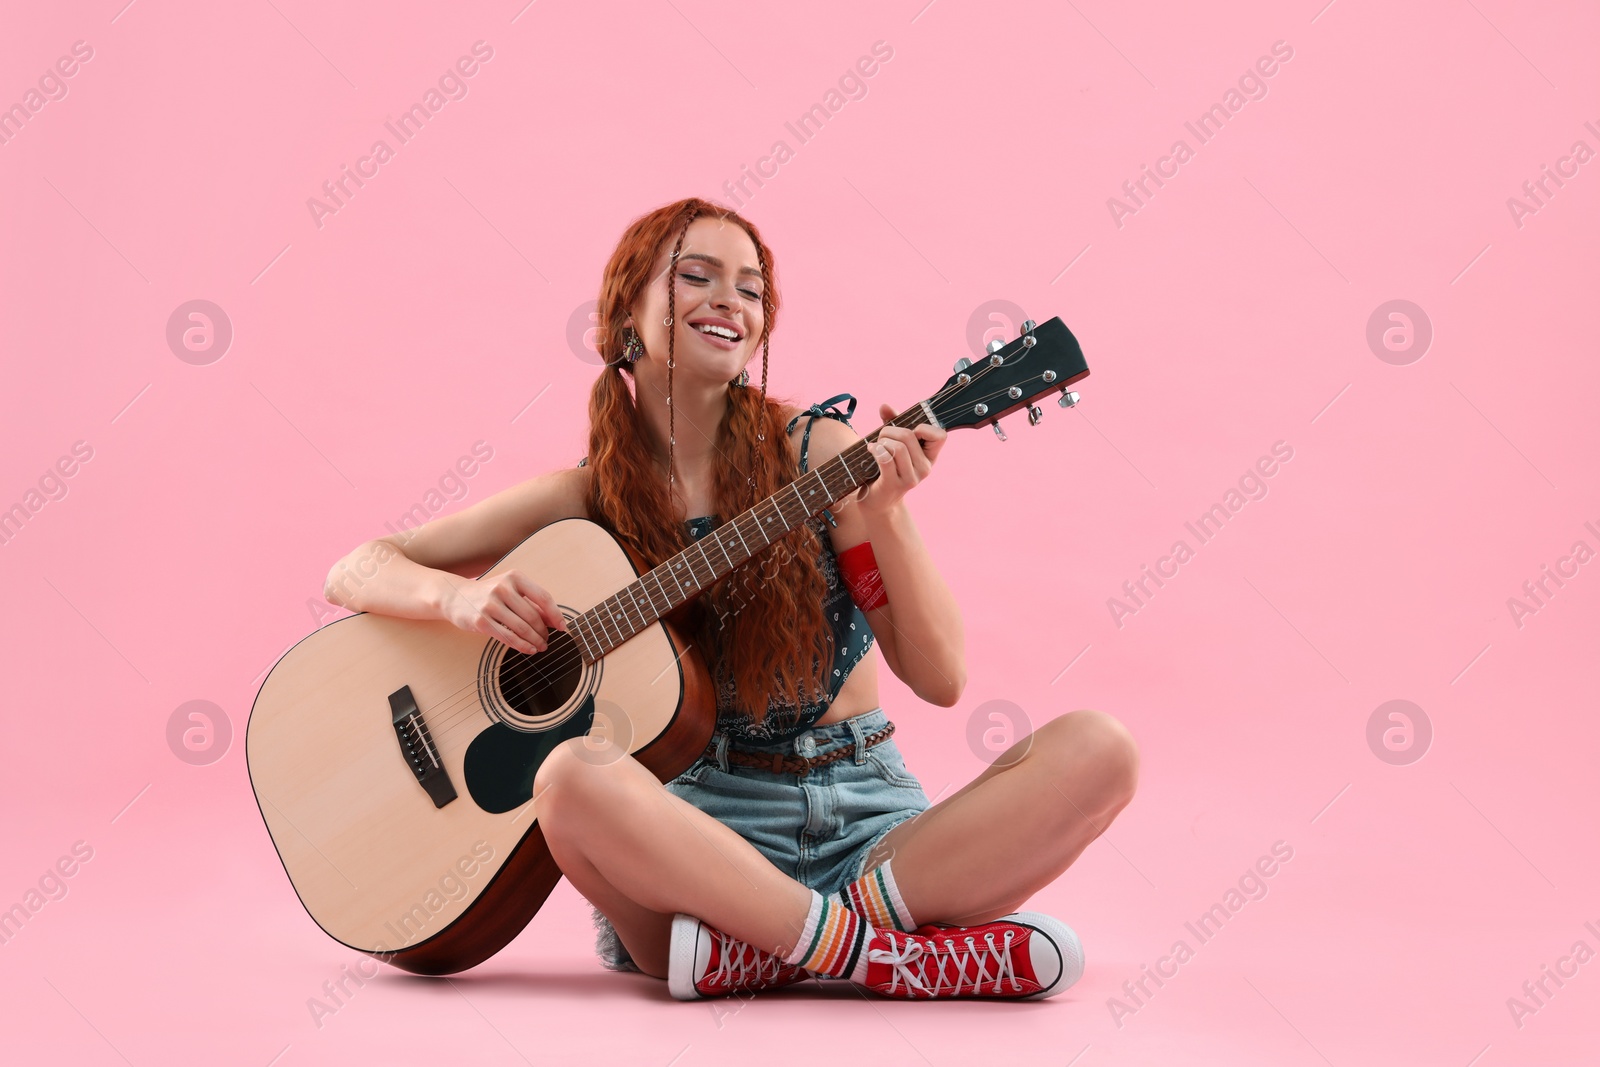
x=718, y=283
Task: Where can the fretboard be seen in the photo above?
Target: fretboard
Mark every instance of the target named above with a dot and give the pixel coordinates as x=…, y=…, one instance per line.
x=684, y=576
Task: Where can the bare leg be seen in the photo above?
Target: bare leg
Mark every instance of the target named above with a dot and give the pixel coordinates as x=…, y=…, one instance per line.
x=983, y=851
x=640, y=854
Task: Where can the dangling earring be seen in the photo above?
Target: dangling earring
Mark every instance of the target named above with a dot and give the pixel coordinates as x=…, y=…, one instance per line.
x=743, y=379
x=632, y=346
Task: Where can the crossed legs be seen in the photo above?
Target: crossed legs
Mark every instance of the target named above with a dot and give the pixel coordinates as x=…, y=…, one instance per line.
x=641, y=854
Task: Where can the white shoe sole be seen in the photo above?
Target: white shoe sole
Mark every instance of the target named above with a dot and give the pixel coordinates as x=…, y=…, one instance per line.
x=1068, y=964
x=688, y=943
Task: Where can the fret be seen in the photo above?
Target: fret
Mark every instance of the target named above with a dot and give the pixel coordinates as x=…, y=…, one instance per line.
x=747, y=552
x=605, y=618
x=635, y=606
x=731, y=563
x=596, y=631
x=811, y=493
x=643, y=615
x=677, y=571
x=649, y=601
x=620, y=620
x=798, y=499
x=666, y=597
x=583, y=641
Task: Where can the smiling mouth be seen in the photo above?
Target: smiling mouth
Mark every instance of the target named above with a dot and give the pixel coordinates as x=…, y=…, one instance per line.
x=721, y=333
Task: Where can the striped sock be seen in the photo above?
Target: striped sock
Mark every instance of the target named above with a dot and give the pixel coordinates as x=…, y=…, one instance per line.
x=876, y=898
x=833, y=941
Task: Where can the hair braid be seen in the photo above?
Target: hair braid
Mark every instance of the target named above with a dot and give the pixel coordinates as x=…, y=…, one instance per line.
x=672, y=332
x=762, y=625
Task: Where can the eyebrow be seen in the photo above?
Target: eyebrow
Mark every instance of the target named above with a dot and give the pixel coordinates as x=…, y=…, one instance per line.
x=715, y=262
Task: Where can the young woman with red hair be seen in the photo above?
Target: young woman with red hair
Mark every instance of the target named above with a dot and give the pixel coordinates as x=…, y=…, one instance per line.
x=799, y=845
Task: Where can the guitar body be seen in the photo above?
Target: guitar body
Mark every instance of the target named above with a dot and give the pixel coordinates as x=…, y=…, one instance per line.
x=394, y=759
x=377, y=861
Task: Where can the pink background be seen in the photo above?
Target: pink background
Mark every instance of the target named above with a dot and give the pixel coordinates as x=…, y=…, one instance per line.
x=1228, y=313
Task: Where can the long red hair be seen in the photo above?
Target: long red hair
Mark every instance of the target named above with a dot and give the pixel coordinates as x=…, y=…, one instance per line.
x=762, y=625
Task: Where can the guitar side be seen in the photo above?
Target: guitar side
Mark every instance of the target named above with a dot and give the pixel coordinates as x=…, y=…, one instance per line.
x=382, y=869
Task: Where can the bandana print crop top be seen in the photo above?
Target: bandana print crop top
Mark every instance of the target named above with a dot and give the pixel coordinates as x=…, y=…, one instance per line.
x=852, y=634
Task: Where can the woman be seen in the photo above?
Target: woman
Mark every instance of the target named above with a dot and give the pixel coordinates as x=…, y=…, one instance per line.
x=799, y=845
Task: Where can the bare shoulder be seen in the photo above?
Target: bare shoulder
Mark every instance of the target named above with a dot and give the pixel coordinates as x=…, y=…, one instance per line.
x=829, y=437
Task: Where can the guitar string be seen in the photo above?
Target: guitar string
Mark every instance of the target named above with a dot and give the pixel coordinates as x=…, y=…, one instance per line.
x=537, y=670
x=540, y=672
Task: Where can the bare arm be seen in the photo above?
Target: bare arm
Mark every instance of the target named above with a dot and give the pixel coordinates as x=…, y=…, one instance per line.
x=428, y=572
x=919, y=630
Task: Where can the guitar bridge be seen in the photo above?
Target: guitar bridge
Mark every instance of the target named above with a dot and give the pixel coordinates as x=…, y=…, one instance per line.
x=416, y=745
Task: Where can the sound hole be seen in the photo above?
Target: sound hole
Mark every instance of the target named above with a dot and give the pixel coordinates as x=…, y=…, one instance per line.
x=536, y=685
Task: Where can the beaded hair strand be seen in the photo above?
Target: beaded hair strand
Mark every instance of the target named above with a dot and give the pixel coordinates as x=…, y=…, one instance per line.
x=758, y=456
x=672, y=332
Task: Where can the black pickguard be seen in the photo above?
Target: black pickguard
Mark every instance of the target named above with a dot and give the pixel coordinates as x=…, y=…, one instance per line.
x=501, y=762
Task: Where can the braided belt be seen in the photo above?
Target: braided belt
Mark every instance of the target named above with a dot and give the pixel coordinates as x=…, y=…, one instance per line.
x=778, y=763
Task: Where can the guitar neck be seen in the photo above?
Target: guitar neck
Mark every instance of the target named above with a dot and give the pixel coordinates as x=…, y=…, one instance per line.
x=686, y=575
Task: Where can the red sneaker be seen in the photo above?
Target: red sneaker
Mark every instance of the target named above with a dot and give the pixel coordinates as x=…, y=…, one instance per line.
x=705, y=962
x=1023, y=956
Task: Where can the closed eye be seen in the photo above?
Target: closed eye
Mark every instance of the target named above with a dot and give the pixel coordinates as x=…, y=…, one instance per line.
x=751, y=293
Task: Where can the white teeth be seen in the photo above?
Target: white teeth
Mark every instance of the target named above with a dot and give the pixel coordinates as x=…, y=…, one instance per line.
x=717, y=331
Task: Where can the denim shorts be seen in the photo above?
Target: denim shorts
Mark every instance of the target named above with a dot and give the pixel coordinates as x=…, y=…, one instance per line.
x=817, y=828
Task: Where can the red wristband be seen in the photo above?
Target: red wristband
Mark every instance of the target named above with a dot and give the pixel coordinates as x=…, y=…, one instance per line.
x=859, y=569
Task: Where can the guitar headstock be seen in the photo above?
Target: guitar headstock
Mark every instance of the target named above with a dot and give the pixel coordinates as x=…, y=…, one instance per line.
x=1043, y=359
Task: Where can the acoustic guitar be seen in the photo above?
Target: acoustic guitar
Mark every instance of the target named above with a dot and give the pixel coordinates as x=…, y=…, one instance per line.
x=393, y=759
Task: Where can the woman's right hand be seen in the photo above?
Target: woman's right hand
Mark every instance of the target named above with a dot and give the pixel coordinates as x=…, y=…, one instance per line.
x=508, y=606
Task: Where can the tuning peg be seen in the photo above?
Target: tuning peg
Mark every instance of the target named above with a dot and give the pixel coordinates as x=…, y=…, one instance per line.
x=1068, y=398
x=995, y=346
x=1035, y=413
x=961, y=364
x=1028, y=325
x=998, y=432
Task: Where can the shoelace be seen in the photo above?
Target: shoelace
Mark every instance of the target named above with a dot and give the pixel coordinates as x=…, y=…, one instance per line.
x=906, y=960
x=741, y=965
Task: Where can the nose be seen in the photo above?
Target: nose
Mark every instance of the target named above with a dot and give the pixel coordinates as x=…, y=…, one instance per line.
x=726, y=296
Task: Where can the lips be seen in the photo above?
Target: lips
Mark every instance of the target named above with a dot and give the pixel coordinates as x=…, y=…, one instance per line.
x=717, y=328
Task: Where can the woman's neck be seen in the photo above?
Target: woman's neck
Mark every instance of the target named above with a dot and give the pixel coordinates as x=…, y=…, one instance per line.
x=697, y=410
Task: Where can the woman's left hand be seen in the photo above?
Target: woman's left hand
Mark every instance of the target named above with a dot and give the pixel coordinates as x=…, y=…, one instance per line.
x=904, y=458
